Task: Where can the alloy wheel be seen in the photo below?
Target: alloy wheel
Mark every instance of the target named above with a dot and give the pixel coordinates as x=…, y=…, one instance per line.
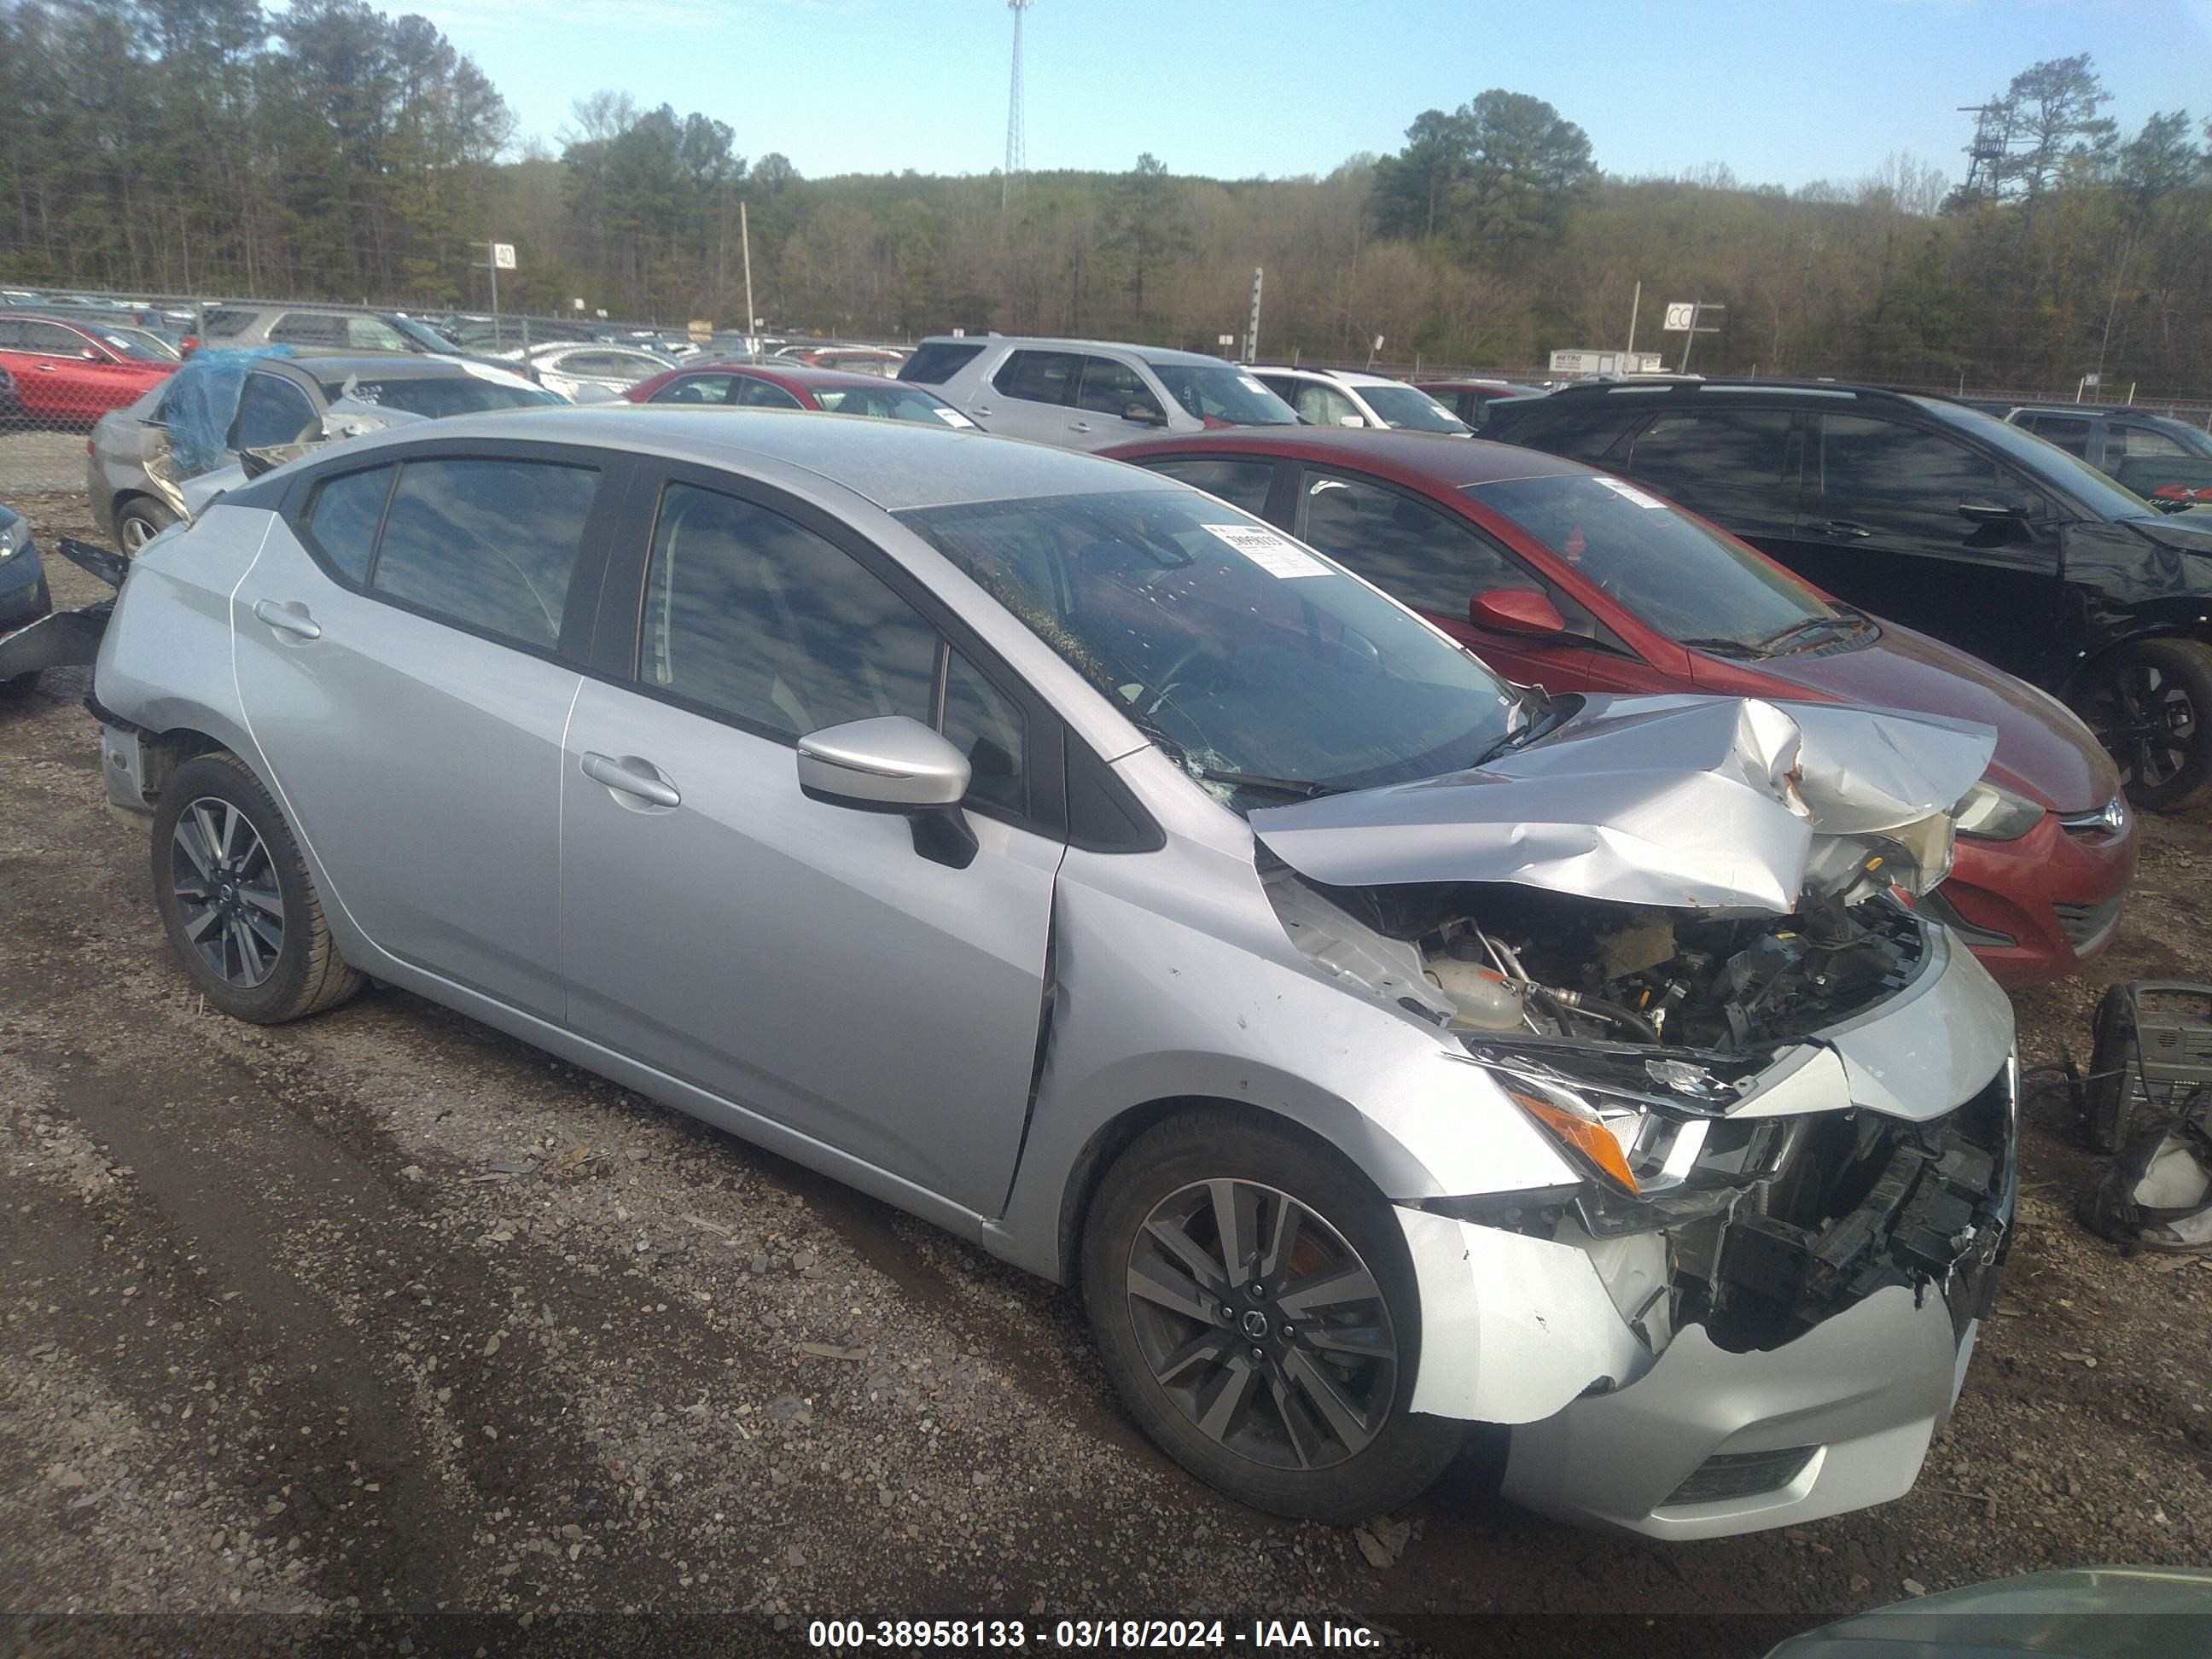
x=137, y=532
x=1263, y=1324
x=228, y=902
x=2147, y=722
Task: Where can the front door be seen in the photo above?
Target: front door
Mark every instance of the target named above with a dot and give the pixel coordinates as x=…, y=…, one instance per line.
x=1112, y=405
x=1879, y=527
x=406, y=692
x=799, y=958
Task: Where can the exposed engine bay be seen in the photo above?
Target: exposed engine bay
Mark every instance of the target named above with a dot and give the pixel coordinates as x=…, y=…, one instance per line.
x=1635, y=1035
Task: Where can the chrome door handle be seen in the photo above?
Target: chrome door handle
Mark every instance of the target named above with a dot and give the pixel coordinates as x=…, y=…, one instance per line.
x=980, y=409
x=626, y=776
x=1078, y=426
x=288, y=617
x=1846, y=528
x=47, y=368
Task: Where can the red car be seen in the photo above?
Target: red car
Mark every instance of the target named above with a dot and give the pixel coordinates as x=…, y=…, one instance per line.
x=1556, y=574
x=70, y=373
x=1471, y=399
x=835, y=391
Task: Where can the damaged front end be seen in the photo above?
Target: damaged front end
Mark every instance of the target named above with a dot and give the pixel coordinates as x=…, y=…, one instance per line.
x=1790, y=1100
x=64, y=639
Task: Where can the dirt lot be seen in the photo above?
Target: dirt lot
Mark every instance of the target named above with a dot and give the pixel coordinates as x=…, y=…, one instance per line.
x=385, y=1312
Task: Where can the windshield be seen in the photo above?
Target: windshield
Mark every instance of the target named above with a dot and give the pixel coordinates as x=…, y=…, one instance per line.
x=2044, y=461
x=1238, y=650
x=1693, y=584
x=890, y=402
x=435, y=399
x=1219, y=392
x=1407, y=410
x=422, y=336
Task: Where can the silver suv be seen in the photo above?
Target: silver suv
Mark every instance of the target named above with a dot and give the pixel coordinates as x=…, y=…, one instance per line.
x=1067, y=858
x=1090, y=394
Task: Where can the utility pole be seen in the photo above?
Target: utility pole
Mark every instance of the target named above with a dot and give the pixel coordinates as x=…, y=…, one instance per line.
x=1015, y=137
x=1635, y=304
x=746, y=241
x=1252, y=327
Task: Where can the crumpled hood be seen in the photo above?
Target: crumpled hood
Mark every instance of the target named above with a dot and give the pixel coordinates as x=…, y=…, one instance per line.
x=1688, y=802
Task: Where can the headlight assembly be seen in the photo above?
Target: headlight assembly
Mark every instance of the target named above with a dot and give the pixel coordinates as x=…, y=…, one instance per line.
x=1989, y=811
x=14, y=536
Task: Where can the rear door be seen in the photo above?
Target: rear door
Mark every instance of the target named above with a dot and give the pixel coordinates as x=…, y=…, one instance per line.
x=800, y=959
x=403, y=648
x=1737, y=466
x=1879, y=526
x=1028, y=396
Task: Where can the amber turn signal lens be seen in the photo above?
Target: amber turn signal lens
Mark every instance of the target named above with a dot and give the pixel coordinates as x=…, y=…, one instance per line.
x=1592, y=1140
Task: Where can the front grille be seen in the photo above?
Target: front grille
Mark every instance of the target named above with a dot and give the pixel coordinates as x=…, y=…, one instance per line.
x=1725, y=1475
x=2087, y=925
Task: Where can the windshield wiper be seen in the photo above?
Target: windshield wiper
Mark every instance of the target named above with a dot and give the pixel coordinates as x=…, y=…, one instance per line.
x=1297, y=789
x=1811, y=628
x=1725, y=647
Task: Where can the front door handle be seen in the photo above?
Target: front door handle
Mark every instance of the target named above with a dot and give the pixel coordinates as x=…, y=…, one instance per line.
x=631, y=776
x=289, y=617
x=1845, y=529
x=980, y=409
x=1078, y=426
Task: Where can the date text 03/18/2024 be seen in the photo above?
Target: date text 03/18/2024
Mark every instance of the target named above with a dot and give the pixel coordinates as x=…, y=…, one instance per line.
x=1076, y=1635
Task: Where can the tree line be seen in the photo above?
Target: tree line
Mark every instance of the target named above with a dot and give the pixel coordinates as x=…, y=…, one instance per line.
x=331, y=150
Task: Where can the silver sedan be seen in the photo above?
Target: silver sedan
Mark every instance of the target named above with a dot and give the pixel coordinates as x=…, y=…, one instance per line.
x=1057, y=852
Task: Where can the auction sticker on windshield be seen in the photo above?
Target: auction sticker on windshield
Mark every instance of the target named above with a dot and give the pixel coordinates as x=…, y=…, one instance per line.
x=1269, y=551
x=952, y=417
x=1628, y=492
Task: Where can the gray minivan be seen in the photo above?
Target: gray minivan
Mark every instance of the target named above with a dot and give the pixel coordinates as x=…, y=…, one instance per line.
x=1089, y=394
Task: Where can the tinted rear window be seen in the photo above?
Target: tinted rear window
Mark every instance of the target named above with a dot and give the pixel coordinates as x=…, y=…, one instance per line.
x=936, y=363
x=487, y=543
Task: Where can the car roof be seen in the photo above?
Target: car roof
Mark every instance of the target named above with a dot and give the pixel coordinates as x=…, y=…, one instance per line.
x=383, y=366
x=897, y=465
x=1442, y=459
x=1048, y=342
x=1351, y=377
x=797, y=375
x=2130, y=411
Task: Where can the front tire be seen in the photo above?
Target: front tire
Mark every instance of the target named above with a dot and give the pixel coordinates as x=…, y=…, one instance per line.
x=1255, y=1303
x=138, y=521
x=2150, y=705
x=235, y=895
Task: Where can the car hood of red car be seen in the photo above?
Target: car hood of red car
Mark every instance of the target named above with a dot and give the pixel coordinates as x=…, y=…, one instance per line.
x=2042, y=750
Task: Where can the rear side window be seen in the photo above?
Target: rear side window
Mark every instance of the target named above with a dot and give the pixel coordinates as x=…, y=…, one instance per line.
x=271, y=413
x=342, y=519
x=935, y=363
x=754, y=394
x=694, y=389
x=1241, y=484
x=1584, y=434
x=1040, y=377
x=308, y=328
x=1898, y=465
x=1742, y=447
x=490, y=545
x=2069, y=432
x=220, y=322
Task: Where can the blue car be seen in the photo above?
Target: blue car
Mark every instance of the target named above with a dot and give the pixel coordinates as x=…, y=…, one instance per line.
x=23, y=596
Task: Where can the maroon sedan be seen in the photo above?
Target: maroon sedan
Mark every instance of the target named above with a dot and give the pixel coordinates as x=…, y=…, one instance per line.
x=795, y=385
x=1561, y=575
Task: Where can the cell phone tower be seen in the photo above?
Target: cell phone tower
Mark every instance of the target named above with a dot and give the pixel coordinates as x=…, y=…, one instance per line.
x=1013, y=168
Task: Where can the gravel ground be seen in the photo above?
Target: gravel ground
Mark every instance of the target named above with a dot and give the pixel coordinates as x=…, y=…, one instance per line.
x=387, y=1313
x=39, y=463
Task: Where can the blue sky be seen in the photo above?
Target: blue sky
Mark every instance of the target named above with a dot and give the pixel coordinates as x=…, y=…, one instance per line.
x=1779, y=92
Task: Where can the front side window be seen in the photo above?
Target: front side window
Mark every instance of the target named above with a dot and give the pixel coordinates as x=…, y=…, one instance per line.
x=756, y=394
x=2044, y=465
x=373, y=334
x=1221, y=391
x=2142, y=440
x=1039, y=377
x=695, y=389
x=271, y=413
x=1414, y=551
x=1115, y=389
x=1694, y=585
x=490, y=545
x=1694, y=448
x=52, y=340
x=1236, y=650
x=756, y=617
x=1408, y=408
x=308, y=328
x=1324, y=406
x=1902, y=466
x=1241, y=484
x=888, y=400
x=986, y=725
x=437, y=399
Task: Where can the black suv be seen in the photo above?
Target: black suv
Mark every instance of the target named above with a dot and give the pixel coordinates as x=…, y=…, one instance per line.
x=1923, y=509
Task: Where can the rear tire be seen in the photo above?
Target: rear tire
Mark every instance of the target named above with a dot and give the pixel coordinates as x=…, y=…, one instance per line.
x=2150, y=705
x=235, y=897
x=138, y=520
x=1315, y=1424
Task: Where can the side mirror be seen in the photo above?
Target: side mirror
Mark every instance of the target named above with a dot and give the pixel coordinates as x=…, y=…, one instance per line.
x=1516, y=611
x=93, y=354
x=892, y=764
x=1350, y=420
x=1144, y=415
x=1996, y=506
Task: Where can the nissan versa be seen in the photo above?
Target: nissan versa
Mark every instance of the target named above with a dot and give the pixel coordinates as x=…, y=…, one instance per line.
x=1082, y=864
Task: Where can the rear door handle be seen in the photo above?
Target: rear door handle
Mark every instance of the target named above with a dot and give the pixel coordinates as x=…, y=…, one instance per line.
x=1078, y=426
x=982, y=409
x=631, y=776
x=289, y=617
x=1846, y=529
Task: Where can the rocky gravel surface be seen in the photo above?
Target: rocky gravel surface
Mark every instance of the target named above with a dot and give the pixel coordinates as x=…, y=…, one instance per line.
x=385, y=1317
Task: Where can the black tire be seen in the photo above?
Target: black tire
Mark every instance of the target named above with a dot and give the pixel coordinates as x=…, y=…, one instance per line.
x=2150, y=705
x=1256, y=1454
x=295, y=972
x=138, y=520
x=18, y=688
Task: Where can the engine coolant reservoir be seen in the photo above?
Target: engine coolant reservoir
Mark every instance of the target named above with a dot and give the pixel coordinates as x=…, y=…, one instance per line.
x=1484, y=1001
